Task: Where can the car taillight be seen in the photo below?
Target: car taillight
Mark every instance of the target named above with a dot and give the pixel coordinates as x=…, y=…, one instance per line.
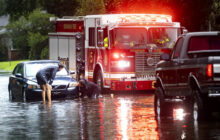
x=209, y=70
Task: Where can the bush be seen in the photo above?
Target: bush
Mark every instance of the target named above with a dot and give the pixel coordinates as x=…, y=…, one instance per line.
x=45, y=53
x=37, y=42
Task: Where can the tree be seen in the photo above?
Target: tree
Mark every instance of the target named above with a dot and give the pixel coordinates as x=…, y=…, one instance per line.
x=31, y=33
x=18, y=8
x=2, y=7
x=112, y=6
x=60, y=8
x=88, y=7
x=194, y=14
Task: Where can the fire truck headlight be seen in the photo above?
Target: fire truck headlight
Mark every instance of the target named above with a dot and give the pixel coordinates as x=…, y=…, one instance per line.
x=123, y=64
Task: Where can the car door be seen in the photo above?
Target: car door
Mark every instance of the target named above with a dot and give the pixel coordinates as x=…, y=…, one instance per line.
x=18, y=81
x=176, y=64
x=12, y=81
x=171, y=74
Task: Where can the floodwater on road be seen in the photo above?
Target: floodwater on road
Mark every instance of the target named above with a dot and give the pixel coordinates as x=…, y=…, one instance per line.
x=117, y=116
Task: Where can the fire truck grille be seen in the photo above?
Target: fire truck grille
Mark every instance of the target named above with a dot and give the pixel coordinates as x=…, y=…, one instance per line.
x=141, y=61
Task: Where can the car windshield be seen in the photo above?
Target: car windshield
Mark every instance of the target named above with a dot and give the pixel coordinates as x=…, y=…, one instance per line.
x=204, y=43
x=32, y=69
x=163, y=37
x=128, y=38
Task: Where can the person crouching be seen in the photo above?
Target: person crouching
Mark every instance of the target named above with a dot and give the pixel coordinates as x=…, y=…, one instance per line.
x=89, y=89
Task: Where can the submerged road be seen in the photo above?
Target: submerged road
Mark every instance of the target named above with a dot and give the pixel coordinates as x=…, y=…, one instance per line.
x=117, y=116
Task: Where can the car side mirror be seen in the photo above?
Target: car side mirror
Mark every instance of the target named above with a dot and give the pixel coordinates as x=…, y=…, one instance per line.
x=72, y=72
x=18, y=75
x=165, y=57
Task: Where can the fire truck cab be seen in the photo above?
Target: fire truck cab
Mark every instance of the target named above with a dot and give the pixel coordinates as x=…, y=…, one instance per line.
x=118, y=51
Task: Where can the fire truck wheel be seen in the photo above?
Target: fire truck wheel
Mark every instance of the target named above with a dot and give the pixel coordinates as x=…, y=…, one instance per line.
x=99, y=81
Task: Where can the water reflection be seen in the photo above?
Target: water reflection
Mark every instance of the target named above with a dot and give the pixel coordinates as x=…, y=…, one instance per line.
x=135, y=120
x=111, y=117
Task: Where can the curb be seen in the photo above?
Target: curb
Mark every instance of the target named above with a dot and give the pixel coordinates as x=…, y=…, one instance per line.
x=5, y=72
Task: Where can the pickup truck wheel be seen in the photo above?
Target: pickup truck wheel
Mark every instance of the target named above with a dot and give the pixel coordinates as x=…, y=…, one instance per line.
x=160, y=107
x=198, y=111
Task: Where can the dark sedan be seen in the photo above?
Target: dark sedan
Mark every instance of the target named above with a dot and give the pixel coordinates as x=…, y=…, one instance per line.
x=23, y=84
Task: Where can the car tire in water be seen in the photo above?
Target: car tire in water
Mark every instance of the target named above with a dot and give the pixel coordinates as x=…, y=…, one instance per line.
x=198, y=108
x=11, y=96
x=161, y=108
x=24, y=96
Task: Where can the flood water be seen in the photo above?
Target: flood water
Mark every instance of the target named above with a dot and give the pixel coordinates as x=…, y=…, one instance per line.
x=117, y=116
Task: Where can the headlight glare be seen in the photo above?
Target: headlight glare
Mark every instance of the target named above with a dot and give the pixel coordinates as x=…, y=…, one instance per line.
x=33, y=86
x=73, y=84
x=123, y=64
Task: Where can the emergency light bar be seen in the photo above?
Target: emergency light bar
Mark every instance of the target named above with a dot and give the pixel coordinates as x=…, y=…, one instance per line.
x=134, y=18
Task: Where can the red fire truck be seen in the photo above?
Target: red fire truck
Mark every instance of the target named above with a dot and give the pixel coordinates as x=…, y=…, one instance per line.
x=116, y=51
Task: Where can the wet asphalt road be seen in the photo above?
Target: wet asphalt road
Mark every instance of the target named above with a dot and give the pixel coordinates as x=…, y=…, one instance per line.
x=121, y=116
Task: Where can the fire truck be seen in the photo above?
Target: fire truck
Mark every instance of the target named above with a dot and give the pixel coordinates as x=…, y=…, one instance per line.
x=117, y=51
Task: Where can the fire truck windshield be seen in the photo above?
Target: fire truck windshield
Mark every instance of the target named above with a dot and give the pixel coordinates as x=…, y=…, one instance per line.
x=127, y=38
x=163, y=37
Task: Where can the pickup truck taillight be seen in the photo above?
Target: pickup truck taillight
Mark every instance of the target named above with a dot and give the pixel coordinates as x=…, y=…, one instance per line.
x=209, y=70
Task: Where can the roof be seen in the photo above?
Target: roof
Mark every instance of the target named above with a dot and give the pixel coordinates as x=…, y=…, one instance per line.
x=39, y=61
x=4, y=20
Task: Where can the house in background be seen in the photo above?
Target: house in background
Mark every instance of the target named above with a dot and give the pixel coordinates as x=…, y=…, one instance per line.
x=7, y=52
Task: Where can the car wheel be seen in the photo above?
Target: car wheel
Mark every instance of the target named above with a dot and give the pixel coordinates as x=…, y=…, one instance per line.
x=11, y=96
x=157, y=105
x=198, y=111
x=24, y=95
x=99, y=81
x=161, y=108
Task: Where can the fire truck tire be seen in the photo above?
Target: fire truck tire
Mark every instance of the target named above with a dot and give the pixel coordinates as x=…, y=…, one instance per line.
x=99, y=81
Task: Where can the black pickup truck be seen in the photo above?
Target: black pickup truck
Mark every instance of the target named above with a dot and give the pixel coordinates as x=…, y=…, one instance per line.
x=190, y=74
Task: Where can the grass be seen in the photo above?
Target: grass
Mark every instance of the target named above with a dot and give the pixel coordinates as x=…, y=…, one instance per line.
x=9, y=65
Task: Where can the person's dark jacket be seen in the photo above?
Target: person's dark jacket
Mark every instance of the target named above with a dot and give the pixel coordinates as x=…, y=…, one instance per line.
x=48, y=73
x=90, y=89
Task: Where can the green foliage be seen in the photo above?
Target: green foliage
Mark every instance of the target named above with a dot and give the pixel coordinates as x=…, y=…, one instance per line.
x=88, y=7
x=31, y=33
x=45, y=53
x=18, y=8
x=60, y=8
x=9, y=65
x=37, y=43
x=18, y=30
x=2, y=7
x=3, y=51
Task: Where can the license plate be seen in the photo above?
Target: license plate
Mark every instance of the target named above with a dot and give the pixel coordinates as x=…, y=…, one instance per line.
x=56, y=93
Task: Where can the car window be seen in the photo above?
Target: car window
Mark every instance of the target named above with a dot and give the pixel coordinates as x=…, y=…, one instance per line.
x=203, y=43
x=19, y=69
x=177, y=48
x=32, y=69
